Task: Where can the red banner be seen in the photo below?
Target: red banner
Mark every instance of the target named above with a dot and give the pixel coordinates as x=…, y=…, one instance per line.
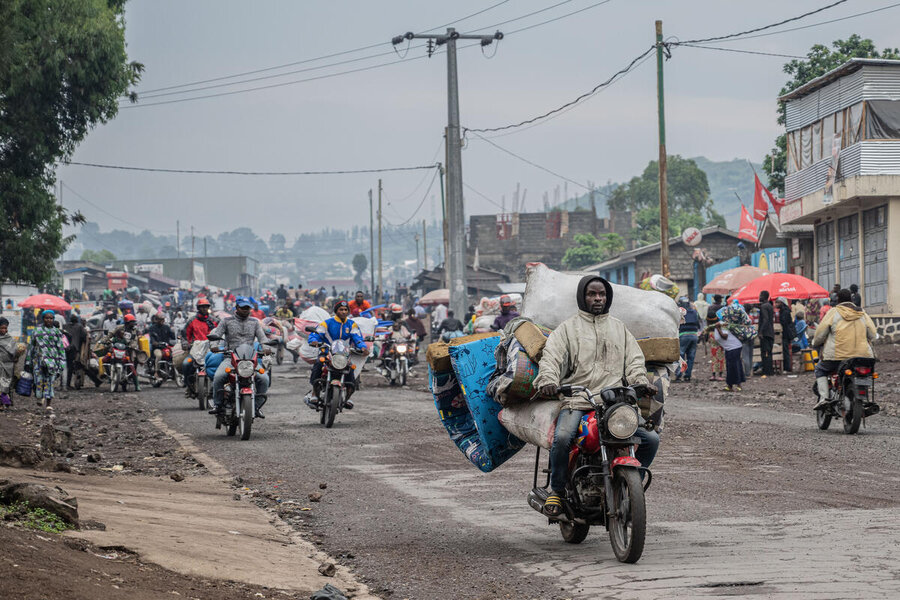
x=748, y=227
x=760, y=195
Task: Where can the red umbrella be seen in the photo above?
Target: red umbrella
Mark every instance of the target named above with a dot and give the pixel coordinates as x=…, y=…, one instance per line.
x=730, y=280
x=787, y=285
x=46, y=302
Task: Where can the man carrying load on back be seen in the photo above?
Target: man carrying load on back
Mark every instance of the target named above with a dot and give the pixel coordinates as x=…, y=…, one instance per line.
x=594, y=350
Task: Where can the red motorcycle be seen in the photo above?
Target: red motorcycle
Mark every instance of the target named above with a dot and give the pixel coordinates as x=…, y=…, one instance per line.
x=240, y=389
x=165, y=369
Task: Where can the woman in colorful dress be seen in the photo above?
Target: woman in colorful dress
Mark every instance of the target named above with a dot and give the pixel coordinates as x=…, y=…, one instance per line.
x=46, y=355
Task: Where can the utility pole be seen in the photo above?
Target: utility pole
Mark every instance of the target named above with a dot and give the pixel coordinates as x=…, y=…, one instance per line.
x=371, y=247
x=380, y=279
x=663, y=191
x=417, y=251
x=192, y=258
x=177, y=239
x=593, y=212
x=424, y=247
x=456, y=261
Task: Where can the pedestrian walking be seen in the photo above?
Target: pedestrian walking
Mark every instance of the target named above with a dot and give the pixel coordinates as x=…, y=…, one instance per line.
x=734, y=366
x=787, y=332
x=46, y=356
x=766, y=333
x=7, y=362
x=688, y=333
x=717, y=353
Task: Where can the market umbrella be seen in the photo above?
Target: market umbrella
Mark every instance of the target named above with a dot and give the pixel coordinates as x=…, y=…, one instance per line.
x=788, y=285
x=45, y=302
x=730, y=280
x=439, y=296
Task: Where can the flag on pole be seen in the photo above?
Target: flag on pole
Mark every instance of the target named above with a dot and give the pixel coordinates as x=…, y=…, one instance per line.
x=760, y=197
x=747, y=230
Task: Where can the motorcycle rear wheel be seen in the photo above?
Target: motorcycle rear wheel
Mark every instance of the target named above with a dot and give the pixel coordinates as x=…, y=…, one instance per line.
x=573, y=533
x=245, y=416
x=853, y=417
x=628, y=526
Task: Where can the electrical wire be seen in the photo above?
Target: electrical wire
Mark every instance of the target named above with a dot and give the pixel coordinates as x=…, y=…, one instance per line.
x=494, y=202
x=108, y=214
x=254, y=173
x=533, y=164
x=598, y=87
x=519, y=18
x=424, y=177
x=575, y=12
x=848, y=17
x=308, y=60
x=743, y=51
x=422, y=203
x=743, y=33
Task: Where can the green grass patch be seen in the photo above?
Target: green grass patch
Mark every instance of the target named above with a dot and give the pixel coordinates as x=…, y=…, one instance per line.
x=33, y=518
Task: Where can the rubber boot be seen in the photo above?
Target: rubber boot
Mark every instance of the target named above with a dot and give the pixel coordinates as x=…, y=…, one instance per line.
x=822, y=385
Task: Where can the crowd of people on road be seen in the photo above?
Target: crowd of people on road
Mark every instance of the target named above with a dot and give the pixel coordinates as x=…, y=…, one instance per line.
x=728, y=332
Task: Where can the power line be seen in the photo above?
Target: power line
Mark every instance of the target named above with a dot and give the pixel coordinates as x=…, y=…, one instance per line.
x=308, y=60
x=848, y=17
x=743, y=51
x=422, y=203
x=575, y=12
x=525, y=16
x=533, y=164
x=583, y=96
x=255, y=173
x=494, y=202
x=743, y=33
x=108, y=214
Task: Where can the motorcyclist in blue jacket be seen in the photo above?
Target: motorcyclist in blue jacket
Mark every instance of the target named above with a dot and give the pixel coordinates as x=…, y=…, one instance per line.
x=338, y=327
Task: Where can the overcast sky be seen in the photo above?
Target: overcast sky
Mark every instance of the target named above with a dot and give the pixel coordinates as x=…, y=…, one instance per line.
x=718, y=104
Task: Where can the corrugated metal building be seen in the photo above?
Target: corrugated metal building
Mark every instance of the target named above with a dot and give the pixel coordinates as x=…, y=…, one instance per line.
x=843, y=177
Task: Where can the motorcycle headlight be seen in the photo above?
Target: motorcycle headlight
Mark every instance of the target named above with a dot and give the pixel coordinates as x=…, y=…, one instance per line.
x=339, y=361
x=622, y=421
x=245, y=368
x=401, y=348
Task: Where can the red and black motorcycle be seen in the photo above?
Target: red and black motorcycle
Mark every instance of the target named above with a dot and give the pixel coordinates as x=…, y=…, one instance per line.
x=604, y=482
x=240, y=389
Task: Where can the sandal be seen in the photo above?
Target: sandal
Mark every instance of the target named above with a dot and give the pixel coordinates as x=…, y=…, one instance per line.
x=553, y=505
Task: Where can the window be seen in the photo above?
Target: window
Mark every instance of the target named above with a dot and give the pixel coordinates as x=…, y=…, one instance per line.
x=825, y=255
x=875, y=254
x=848, y=248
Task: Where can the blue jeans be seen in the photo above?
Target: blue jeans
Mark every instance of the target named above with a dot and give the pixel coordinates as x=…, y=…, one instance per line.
x=262, y=386
x=688, y=345
x=567, y=427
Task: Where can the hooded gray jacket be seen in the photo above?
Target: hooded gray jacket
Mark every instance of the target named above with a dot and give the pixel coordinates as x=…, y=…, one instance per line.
x=594, y=351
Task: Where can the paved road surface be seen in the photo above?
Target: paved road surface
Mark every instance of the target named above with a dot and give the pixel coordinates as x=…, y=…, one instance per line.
x=747, y=500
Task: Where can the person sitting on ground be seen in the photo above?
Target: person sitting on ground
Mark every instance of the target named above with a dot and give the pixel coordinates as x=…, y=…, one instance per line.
x=338, y=327
x=507, y=313
x=594, y=350
x=845, y=332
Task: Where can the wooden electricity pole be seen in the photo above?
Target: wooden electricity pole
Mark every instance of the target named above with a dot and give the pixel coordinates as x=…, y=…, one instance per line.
x=663, y=192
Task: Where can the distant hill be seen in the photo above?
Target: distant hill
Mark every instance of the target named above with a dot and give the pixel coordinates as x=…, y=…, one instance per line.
x=725, y=178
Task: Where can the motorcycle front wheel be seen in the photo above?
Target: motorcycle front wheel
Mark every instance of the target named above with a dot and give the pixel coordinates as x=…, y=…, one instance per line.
x=279, y=355
x=853, y=416
x=331, y=406
x=823, y=418
x=403, y=374
x=179, y=377
x=202, y=388
x=245, y=417
x=628, y=525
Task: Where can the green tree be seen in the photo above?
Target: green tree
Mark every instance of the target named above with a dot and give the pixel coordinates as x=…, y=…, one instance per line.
x=688, y=193
x=819, y=60
x=63, y=69
x=589, y=250
x=98, y=256
x=360, y=263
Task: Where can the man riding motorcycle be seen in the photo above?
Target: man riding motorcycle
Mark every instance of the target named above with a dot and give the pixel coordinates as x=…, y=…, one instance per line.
x=845, y=332
x=338, y=327
x=128, y=326
x=594, y=350
x=359, y=304
x=284, y=313
x=237, y=330
x=196, y=329
x=160, y=336
x=507, y=313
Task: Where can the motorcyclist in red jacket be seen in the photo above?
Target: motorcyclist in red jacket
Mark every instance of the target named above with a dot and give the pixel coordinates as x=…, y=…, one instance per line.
x=196, y=330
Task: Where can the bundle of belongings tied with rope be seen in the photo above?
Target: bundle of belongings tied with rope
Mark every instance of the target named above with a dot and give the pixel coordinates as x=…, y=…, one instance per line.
x=483, y=384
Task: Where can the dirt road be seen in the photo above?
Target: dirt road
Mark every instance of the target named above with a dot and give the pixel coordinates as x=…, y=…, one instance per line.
x=749, y=498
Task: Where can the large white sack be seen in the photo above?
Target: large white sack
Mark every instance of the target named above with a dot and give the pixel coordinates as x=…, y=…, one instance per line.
x=532, y=422
x=314, y=313
x=366, y=325
x=550, y=300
